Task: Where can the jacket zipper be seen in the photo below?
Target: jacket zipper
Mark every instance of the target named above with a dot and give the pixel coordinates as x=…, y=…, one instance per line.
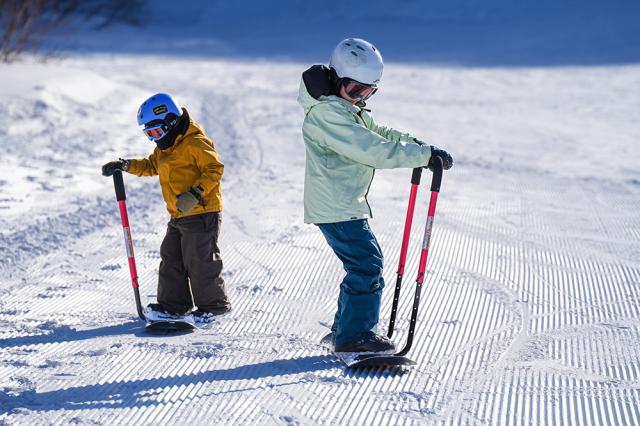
x=367, y=193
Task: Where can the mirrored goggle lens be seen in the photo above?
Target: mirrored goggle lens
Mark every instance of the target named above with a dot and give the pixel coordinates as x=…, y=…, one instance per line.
x=357, y=90
x=154, y=133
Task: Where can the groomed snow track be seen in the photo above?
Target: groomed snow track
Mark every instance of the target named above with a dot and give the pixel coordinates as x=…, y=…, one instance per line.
x=511, y=330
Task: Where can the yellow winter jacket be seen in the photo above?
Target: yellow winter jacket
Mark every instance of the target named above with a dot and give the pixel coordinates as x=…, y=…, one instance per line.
x=192, y=161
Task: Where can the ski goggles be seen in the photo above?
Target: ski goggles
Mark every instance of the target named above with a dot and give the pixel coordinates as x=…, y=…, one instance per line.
x=358, y=91
x=155, y=130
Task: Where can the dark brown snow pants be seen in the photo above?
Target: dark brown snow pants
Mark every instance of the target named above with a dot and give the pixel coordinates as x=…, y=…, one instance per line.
x=190, y=254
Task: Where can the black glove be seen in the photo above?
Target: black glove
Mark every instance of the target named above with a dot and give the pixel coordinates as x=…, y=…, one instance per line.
x=112, y=166
x=447, y=161
x=188, y=200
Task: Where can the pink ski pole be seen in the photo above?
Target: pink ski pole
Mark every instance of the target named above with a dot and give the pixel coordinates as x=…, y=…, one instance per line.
x=436, y=181
x=415, y=182
x=124, y=217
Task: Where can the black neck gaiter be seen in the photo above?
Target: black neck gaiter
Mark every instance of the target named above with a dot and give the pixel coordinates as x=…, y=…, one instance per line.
x=180, y=128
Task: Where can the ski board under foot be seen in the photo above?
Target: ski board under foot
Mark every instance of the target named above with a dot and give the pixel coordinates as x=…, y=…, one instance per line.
x=157, y=320
x=170, y=325
x=360, y=360
x=364, y=360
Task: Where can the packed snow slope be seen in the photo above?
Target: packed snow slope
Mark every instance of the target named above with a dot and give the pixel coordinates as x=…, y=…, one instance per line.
x=530, y=310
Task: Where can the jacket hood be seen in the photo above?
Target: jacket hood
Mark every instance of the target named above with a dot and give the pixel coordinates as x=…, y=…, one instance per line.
x=191, y=126
x=316, y=87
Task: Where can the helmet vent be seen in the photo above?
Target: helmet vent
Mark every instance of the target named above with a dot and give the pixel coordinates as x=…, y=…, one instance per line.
x=358, y=60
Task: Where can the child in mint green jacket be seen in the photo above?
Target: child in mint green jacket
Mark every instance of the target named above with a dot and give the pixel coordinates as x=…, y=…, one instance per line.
x=344, y=146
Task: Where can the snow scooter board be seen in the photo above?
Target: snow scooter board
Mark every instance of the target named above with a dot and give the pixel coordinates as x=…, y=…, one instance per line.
x=160, y=321
x=377, y=360
x=170, y=325
x=366, y=360
x=156, y=320
x=185, y=323
x=373, y=360
x=152, y=319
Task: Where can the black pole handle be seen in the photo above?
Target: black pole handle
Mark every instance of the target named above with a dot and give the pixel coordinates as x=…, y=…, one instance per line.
x=435, y=165
x=415, y=176
x=118, y=183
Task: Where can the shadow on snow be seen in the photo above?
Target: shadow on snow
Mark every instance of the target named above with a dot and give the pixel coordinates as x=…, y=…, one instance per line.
x=147, y=392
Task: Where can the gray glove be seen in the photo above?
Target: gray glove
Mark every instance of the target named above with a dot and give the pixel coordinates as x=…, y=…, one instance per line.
x=188, y=200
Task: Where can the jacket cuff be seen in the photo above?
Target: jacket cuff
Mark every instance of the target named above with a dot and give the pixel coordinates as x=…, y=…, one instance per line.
x=134, y=167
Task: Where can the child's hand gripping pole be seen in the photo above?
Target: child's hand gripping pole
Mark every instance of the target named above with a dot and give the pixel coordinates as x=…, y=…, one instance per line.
x=122, y=204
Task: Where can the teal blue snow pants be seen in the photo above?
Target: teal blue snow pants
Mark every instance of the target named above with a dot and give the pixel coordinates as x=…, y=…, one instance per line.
x=361, y=289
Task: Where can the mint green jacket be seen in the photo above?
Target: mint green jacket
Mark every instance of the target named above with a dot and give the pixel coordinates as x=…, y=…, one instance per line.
x=344, y=146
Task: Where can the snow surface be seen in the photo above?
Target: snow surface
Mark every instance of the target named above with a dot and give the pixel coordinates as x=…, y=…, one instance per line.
x=530, y=311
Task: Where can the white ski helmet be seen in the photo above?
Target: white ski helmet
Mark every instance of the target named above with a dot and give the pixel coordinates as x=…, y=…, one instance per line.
x=158, y=114
x=358, y=60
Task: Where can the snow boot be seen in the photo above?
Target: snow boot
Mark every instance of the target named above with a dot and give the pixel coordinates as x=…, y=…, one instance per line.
x=206, y=317
x=157, y=312
x=373, y=343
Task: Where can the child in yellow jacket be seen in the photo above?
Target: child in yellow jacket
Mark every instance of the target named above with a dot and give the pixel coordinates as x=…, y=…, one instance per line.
x=190, y=173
